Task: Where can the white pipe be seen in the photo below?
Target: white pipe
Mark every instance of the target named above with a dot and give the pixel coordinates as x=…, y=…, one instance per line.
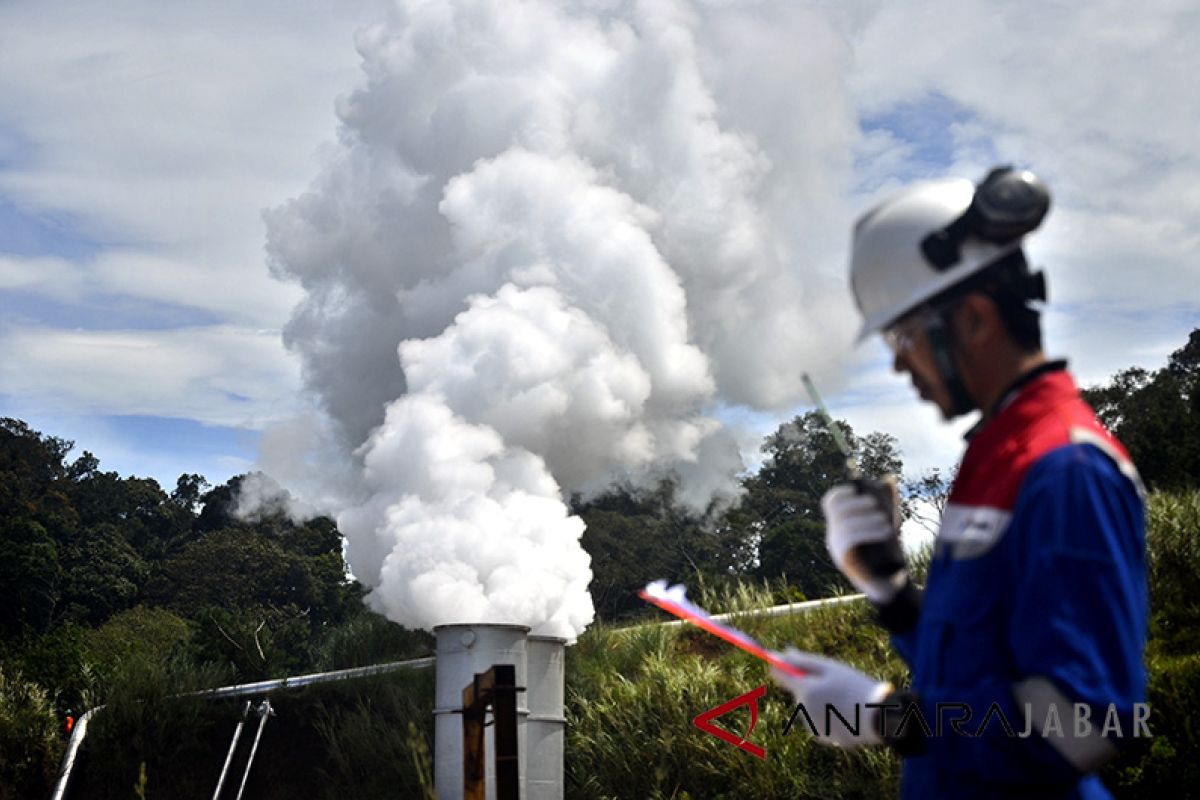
x=264, y=711
x=78, y=733
x=237, y=734
x=296, y=681
x=770, y=611
x=546, y=730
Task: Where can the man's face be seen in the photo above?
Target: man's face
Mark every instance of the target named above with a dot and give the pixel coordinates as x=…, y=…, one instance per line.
x=912, y=354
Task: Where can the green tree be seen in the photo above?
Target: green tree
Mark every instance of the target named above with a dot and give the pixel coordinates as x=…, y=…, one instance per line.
x=258, y=642
x=151, y=522
x=777, y=530
x=30, y=575
x=241, y=568
x=259, y=595
x=58, y=660
x=33, y=479
x=30, y=464
x=103, y=574
x=1156, y=415
x=781, y=512
x=189, y=491
x=925, y=497
x=636, y=536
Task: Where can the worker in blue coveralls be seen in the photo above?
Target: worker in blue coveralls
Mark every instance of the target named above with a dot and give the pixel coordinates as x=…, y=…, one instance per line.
x=1033, y=618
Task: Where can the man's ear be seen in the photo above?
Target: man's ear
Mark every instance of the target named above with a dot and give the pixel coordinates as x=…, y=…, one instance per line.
x=977, y=320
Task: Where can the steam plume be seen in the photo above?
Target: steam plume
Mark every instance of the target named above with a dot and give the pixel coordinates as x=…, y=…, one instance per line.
x=552, y=240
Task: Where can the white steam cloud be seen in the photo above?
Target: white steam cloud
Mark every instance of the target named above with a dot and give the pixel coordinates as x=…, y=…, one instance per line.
x=553, y=240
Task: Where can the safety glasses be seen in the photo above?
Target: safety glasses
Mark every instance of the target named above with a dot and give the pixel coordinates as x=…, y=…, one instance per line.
x=901, y=336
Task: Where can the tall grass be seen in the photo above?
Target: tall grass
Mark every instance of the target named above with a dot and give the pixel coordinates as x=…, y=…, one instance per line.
x=1173, y=542
x=632, y=695
x=29, y=742
x=376, y=737
x=369, y=638
x=146, y=725
x=1158, y=767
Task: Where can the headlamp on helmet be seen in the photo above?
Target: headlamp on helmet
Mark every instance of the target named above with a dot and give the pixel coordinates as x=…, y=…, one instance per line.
x=1008, y=204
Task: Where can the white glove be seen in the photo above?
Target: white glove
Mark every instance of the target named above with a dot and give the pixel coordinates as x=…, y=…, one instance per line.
x=833, y=683
x=854, y=518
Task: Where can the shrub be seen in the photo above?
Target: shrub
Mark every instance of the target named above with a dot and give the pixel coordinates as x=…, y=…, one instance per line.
x=29, y=742
x=1157, y=767
x=1173, y=542
x=376, y=736
x=147, y=724
x=147, y=634
x=369, y=638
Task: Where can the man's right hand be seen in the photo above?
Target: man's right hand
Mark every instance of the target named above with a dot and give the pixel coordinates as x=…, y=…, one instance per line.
x=858, y=530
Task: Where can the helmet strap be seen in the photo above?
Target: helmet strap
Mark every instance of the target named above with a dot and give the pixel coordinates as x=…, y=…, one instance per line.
x=937, y=328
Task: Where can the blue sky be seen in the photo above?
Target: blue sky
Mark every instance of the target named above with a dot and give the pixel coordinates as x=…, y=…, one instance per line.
x=923, y=130
x=45, y=234
x=138, y=150
x=147, y=446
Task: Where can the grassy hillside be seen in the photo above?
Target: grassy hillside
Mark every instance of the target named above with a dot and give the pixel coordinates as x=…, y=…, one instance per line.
x=632, y=693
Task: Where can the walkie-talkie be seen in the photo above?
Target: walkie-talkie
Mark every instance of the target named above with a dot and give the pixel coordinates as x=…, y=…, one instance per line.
x=880, y=558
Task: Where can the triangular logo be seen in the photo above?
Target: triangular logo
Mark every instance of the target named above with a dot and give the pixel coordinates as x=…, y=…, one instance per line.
x=750, y=698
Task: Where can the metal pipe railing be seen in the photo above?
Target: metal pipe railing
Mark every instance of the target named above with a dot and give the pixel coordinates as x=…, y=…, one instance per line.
x=769, y=611
x=296, y=681
x=264, y=711
x=79, y=733
x=237, y=733
x=780, y=610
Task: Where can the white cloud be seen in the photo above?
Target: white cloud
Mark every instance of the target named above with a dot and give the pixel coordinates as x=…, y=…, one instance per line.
x=236, y=290
x=165, y=129
x=159, y=132
x=1099, y=97
x=53, y=277
x=217, y=375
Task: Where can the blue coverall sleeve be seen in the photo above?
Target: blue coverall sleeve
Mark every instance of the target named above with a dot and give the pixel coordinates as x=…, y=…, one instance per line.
x=1077, y=627
x=906, y=645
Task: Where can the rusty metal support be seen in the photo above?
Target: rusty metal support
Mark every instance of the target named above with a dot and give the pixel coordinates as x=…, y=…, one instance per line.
x=474, y=766
x=497, y=688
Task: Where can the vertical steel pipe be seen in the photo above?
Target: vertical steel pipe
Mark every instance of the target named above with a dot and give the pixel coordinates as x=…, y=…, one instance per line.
x=264, y=711
x=545, y=733
x=463, y=651
x=237, y=733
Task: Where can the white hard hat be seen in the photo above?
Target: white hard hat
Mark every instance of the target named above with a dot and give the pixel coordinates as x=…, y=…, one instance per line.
x=891, y=272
